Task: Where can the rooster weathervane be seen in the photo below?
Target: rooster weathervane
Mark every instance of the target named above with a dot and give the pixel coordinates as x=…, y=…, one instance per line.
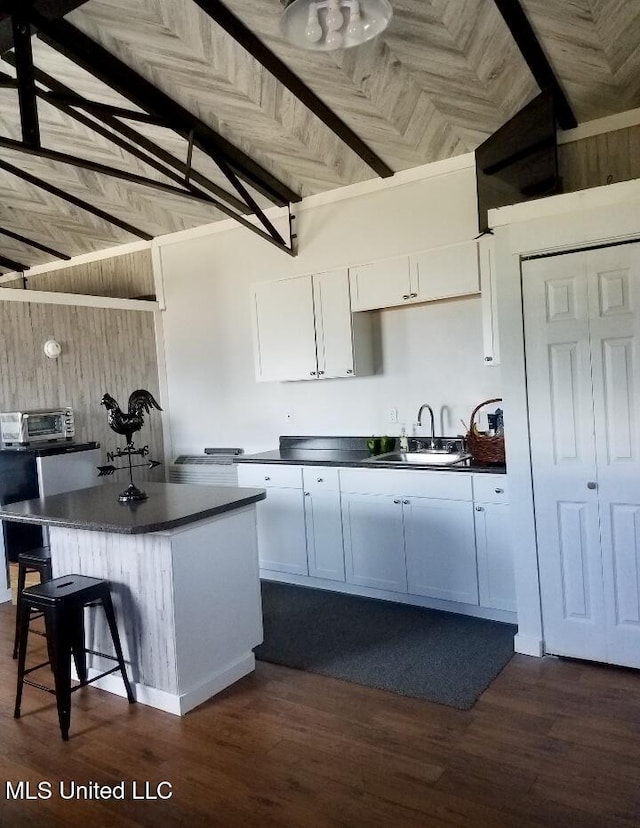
x=141, y=402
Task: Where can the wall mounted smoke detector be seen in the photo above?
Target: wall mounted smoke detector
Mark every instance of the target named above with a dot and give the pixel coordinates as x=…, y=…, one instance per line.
x=52, y=348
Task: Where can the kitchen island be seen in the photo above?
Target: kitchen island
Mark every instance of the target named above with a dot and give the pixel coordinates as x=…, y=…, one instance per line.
x=183, y=567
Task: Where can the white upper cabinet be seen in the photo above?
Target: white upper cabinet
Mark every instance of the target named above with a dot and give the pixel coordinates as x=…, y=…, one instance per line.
x=441, y=273
x=304, y=329
x=285, y=330
x=445, y=272
x=380, y=284
x=489, y=301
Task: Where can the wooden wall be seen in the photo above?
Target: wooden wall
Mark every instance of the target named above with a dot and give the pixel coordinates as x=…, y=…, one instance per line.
x=602, y=159
x=102, y=350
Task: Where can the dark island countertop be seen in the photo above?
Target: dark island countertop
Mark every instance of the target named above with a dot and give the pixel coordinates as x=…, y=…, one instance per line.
x=168, y=506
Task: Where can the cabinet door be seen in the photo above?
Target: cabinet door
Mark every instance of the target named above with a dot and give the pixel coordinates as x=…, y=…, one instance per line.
x=374, y=541
x=490, y=340
x=284, y=328
x=380, y=284
x=334, y=332
x=441, y=552
x=282, y=543
x=445, y=272
x=495, y=556
x=325, y=548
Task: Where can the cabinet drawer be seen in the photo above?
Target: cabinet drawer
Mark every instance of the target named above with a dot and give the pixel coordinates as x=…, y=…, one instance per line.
x=320, y=479
x=446, y=485
x=490, y=488
x=265, y=475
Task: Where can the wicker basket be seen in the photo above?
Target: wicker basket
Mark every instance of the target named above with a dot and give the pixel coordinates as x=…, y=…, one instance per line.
x=482, y=447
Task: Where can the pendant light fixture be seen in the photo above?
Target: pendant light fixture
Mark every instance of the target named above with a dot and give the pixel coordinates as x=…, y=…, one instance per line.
x=325, y=25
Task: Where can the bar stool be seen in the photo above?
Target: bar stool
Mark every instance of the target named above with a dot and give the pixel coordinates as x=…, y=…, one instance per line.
x=35, y=560
x=62, y=602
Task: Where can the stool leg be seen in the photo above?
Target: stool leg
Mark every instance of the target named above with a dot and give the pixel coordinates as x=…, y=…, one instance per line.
x=77, y=642
x=115, y=636
x=58, y=630
x=23, y=626
x=22, y=572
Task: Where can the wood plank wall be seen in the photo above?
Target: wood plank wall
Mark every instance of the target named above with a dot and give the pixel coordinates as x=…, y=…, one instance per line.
x=102, y=350
x=602, y=159
x=126, y=277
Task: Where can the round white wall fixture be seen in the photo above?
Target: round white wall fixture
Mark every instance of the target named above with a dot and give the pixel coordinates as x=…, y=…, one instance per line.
x=52, y=349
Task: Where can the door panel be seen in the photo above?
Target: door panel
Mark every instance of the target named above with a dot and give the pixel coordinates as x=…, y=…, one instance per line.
x=324, y=534
x=334, y=335
x=558, y=360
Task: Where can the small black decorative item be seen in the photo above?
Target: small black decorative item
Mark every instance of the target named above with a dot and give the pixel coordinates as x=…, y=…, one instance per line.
x=127, y=423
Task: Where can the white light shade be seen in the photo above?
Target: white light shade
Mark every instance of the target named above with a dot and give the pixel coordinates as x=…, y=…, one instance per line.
x=362, y=20
x=52, y=348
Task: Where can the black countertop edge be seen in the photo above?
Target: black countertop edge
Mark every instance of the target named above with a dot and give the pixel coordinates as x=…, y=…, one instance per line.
x=97, y=509
x=275, y=457
x=52, y=448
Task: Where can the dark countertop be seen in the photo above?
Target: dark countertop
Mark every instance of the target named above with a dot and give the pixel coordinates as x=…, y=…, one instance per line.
x=48, y=449
x=168, y=506
x=354, y=459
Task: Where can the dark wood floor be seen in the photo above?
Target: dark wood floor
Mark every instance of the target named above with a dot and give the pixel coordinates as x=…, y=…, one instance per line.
x=550, y=743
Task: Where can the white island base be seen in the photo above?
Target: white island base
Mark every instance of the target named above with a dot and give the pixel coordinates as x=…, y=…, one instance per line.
x=187, y=602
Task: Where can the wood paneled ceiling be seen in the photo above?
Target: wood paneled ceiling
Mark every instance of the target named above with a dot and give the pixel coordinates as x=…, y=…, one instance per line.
x=444, y=76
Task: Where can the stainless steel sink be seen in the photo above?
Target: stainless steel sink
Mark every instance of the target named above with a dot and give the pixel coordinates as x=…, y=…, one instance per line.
x=422, y=458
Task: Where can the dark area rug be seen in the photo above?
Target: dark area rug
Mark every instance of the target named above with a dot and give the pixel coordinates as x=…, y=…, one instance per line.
x=426, y=654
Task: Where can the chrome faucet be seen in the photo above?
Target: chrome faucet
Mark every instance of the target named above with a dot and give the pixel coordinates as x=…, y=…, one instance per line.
x=433, y=428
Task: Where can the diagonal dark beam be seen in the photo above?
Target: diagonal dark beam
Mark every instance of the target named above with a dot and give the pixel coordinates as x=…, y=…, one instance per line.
x=11, y=265
x=96, y=107
x=24, y=73
x=77, y=47
x=537, y=61
x=51, y=9
x=104, y=169
x=77, y=202
x=31, y=243
x=234, y=27
x=132, y=142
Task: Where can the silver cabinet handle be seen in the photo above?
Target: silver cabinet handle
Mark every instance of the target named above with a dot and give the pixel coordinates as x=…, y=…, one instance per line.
x=405, y=296
x=592, y=485
x=406, y=502
x=349, y=370
x=396, y=501
x=499, y=491
x=312, y=373
x=479, y=508
x=488, y=359
x=306, y=494
x=320, y=373
x=413, y=295
x=267, y=478
x=319, y=480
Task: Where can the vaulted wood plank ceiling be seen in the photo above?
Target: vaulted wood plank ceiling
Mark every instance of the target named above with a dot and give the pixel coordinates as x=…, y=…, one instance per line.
x=444, y=76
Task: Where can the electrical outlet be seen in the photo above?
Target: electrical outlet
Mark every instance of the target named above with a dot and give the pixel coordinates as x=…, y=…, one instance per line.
x=393, y=415
x=288, y=415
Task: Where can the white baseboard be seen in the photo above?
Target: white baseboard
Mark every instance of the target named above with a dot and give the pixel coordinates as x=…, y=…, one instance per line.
x=528, y=645
x=178, y=704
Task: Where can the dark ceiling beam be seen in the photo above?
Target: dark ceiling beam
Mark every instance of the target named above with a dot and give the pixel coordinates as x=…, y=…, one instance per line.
x=31, y=243
x=131, y=141
x=77, y=202
x=234, y=27
x=103, y=169
x=77, y=47
x=537, y=61
x=96, y=107
x=51, y=9
x=11, y=265
x=24, y=72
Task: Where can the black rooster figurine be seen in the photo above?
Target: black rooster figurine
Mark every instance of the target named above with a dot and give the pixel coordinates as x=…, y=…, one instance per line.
x=140, y=402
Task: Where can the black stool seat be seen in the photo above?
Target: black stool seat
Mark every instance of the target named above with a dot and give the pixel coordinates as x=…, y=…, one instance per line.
x=35, y=560
x=62, y=602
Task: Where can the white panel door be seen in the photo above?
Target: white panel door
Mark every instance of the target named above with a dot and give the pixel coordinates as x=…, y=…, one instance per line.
x=441, y=551
x=614, y=296
x=558, y=363
x=285, y=330
x=374, y=541
x=282, y=543
x=380, y=284
x=334, y=331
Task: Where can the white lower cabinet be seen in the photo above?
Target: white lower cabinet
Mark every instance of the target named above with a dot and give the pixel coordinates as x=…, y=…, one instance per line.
x=495, y=556
x=441, y=550
x=374, y=541
x=323, y=520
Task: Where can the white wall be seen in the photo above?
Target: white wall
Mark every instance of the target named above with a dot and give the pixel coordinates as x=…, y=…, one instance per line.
x=431, y=353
